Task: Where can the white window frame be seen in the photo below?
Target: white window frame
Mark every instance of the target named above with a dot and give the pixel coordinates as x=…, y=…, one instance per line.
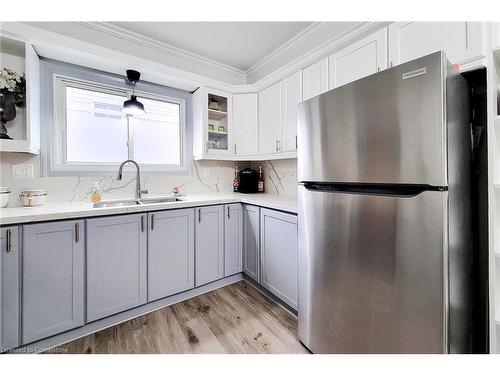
x=54, y=161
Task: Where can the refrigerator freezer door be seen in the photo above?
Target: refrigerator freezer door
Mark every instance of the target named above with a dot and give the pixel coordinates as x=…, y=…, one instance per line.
x=371, y=275
x=385, y=128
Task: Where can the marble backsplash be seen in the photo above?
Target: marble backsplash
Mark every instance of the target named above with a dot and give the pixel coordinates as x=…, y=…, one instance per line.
x=206, y=177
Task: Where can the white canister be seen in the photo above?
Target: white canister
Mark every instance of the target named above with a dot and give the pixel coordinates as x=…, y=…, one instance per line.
x=4, y=197
x=30, y=198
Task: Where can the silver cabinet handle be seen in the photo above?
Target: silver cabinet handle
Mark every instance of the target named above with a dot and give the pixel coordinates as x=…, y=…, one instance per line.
x=378, y=69
x=228, y=212
x=391, y=64
x=152, y=221
x=235, y=148
x=142, y=223
x=199, y=215
x=296, y=143
x=77, y=232
x=278, y=145
x=8, y=238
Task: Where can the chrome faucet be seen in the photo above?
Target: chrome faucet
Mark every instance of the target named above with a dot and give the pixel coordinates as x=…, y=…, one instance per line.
x=138, y=190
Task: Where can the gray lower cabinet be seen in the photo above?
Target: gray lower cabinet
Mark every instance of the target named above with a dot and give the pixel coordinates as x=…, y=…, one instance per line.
x=116, y=264
x=232, y=239
x=278, y=247
x=209, y=244
x=251, y=241
x=170, y=252
x=52, y=278
x=9, y=288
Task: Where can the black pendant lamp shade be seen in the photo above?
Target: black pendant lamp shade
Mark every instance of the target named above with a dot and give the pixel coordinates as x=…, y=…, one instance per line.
x=132, y=106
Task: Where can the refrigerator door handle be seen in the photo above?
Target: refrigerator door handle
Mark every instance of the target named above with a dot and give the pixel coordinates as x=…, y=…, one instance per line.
x=401, y=190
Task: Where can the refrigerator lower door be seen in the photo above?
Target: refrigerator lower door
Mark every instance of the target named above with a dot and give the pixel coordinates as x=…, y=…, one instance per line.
x=371, y=272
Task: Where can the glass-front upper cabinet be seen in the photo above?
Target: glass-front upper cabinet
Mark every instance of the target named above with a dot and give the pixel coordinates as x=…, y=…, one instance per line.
x=212, y=119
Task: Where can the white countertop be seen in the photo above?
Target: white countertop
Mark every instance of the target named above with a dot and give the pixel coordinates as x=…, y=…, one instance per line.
x=72, y=210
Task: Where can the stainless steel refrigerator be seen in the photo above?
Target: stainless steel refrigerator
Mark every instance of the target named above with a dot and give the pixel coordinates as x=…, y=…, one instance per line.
x=385, y=243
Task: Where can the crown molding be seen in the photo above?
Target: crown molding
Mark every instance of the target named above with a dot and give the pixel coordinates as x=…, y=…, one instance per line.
x=145, y=41
x=288, y=45
x=320, y=51
x=62, y=47
x=312, y=55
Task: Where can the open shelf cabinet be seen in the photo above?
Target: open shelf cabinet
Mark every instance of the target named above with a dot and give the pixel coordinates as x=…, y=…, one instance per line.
x=212, y=120
x=18, y=55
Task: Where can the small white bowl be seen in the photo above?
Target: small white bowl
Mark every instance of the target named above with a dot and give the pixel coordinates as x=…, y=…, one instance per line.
x=4, y=197
x=31, y=198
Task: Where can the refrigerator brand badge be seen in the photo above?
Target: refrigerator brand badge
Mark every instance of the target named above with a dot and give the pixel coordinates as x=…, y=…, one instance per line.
x=415, y=73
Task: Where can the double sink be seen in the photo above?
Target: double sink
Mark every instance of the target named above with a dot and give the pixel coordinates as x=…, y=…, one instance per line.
x=135, y=202
x=138, y=192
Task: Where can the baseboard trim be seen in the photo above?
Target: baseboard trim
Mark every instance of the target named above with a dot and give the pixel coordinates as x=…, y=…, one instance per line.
x=65, y=337
x=269, y=295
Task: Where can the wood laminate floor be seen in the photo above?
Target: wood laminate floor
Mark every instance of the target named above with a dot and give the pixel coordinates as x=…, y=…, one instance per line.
x=233, y=319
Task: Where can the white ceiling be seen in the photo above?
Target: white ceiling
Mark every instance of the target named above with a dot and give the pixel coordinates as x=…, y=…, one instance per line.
x=238, y=44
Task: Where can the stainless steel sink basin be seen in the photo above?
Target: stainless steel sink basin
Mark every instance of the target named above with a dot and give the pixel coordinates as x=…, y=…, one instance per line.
x=134, y=202
x=117, y=203
x=153, y=200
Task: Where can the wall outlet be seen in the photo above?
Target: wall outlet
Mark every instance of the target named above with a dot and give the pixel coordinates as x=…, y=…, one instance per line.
x=22, y=171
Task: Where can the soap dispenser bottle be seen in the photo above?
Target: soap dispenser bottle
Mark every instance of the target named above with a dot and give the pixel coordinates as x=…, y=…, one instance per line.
x=96, y=193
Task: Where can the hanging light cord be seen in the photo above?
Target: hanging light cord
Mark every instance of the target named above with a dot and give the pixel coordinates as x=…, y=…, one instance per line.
x=133, y=87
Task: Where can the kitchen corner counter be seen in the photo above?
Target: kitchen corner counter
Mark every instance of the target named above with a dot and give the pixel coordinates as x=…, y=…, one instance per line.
x=74, y=210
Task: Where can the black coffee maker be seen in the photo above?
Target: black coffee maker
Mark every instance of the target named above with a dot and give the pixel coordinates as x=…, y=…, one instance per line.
x=249, y=181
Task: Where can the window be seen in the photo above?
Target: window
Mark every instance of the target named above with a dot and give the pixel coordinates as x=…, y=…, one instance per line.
x=90, y=135
x=96, y=130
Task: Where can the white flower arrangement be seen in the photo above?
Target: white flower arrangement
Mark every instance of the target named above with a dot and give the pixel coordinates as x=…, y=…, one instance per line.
x=9, y=79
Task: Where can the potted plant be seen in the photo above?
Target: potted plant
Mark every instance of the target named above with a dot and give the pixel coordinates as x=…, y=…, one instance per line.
x=12, y=95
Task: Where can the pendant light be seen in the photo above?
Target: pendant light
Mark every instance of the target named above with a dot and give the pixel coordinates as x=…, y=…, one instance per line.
x=132, y=106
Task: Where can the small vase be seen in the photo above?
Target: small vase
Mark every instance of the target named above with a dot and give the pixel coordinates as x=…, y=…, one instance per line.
x=7, y=113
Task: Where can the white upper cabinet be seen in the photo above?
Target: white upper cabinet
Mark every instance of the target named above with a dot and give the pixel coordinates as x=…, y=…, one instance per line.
x=292, y=96
x=315, y=79
x=360, y=59
x=212, y=124
x=246, y=124
x=461, y=41
x=270, y=119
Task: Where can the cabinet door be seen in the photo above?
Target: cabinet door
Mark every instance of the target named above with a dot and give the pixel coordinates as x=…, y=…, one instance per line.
x=358, y=60
x=170, y=253
x=292, y=96
x=279, y=255
x=270, y=119
x=209, y=244
x=212, y=124
x=461, y=41
x=251, y=241
x=232, y=239
x=9, y=288
x=315, y=79
x=52, y=278
x=245, y=124
x=116, y=264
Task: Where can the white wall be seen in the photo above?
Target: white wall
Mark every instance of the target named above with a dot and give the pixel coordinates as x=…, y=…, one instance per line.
x=280, y=179
x=280, y=176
